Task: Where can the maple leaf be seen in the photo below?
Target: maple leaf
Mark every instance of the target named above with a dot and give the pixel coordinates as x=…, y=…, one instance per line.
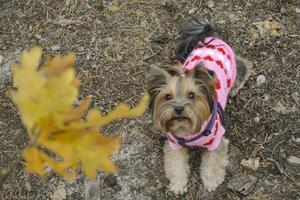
x=45, y=99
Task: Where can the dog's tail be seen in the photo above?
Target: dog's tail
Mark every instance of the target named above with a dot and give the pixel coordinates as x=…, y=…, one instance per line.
x=193, y=32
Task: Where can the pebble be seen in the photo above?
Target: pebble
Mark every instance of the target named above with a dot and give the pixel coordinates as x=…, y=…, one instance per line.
x=295, y=96
x=297, y=140
x=294, y=160
x=266, y=97
x=263, y=53
x=1, y=59
x=297, y=10
x=192, y=11
x=242, y=183
x=55, y=47
x=256, y=119
x=261, y=79
x=81, y=49
x=38, y=36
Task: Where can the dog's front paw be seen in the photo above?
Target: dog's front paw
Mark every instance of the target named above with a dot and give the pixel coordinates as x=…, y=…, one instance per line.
x=212, y=177
x=179, y=186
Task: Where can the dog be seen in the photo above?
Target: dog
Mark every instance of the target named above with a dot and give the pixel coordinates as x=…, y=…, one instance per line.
x=188, y=103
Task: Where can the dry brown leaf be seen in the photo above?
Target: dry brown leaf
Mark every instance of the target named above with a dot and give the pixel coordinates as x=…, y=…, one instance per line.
x=280, y=108
x=254, y=34
x=252, y=163
x=113, y=8
x=272, y=26
x=268, y=27
x=59, y=193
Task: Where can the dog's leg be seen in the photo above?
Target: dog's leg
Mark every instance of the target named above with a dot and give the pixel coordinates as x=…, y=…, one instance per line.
x=243, y=71
x=176, y=168
x=213, y=166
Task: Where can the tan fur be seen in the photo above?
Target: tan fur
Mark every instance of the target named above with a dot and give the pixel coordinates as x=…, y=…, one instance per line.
x=177, y=168
x=213, y=166
x=197, y=110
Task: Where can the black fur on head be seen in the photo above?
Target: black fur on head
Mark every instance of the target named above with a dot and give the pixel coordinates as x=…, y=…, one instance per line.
x=193, y=32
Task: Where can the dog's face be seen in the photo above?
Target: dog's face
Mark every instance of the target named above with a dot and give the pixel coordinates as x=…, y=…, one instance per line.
x=181, y=104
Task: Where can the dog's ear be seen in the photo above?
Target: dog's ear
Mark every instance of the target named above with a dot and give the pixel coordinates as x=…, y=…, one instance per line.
x=156, y=79
x=206, y=76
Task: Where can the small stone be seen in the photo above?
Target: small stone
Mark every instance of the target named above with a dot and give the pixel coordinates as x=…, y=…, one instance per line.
x=263, y=53
x=260, y=79
x=242, y=183
x=295, y=96
x=1, y=59
x=266, y=97
x=297, y=140
x=192, y=11
x=256, y=119
x=81, y=49
x=38, y=36
x=55, y=47
x=297, y=10
x=283, y=60
x=294, y=160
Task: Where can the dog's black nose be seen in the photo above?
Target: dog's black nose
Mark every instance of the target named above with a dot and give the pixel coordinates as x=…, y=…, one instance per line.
x=179, y=110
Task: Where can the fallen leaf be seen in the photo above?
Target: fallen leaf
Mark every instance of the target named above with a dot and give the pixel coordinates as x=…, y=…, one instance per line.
x=254, y=34
x=113, y=8
x=251, y=163
x=268, y=27
x=59, y=193
x=45, y=97
x=280, y=108
x=272, y=26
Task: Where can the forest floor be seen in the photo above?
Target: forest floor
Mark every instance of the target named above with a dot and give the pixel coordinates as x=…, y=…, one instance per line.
x=115, y=43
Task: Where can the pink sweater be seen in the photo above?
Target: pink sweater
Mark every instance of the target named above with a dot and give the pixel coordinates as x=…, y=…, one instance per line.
x=216, y=56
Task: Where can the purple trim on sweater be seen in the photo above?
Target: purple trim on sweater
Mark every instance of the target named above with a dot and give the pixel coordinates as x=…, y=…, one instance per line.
x=217, y=109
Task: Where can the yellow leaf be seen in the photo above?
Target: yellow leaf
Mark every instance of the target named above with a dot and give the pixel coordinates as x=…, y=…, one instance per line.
x=121, y=111
x=45, y=100
x=59, y=64
x=34, y=160
x=77, y=113
x=92, y=149
x=40, y=95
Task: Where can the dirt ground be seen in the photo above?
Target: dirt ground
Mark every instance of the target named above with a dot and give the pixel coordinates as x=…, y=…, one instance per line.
x=115, y=43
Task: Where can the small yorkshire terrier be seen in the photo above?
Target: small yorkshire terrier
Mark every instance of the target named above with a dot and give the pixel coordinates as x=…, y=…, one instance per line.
x=188, y=103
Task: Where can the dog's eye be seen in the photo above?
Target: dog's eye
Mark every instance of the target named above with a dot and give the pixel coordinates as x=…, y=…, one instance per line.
x=168, y=97
x=191, y=95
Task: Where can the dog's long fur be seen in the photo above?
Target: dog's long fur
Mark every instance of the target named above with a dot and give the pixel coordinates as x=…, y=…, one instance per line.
x=192, y=95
